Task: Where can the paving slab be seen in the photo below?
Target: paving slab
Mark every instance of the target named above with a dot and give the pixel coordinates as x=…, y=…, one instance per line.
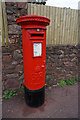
x=60, y=102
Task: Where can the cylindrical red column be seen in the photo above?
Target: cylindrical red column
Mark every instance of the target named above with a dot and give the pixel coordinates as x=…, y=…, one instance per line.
x=34, y=57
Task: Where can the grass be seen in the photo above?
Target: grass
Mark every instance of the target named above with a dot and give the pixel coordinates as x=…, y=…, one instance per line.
x=62, y=83
x=71, y=81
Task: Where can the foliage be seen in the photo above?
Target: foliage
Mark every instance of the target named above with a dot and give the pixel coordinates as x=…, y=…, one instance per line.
x=71, y=81
x=9, y=94
x=42, y=3
x=62, y=83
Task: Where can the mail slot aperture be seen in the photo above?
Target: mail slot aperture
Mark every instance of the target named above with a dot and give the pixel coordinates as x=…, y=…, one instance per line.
x=37, y=35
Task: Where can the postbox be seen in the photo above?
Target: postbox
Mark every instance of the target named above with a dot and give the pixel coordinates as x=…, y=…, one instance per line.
x=34, y=57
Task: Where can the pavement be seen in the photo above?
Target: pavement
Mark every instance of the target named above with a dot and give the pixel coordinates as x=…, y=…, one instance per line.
x=60, y=102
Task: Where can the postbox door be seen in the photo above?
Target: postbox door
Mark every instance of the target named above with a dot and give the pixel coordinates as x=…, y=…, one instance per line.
x=38, y=61
x=34, y=59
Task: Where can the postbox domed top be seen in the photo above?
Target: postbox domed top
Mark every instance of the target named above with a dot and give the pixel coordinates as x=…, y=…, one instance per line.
x=31, y=19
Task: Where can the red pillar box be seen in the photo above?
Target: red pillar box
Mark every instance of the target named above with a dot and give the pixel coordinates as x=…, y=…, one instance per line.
x=34, y=57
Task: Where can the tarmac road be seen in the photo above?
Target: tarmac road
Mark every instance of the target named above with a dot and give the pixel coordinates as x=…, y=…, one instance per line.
x=60, y=102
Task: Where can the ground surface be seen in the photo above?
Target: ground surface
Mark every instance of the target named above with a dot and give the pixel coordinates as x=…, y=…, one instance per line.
x=60, y=102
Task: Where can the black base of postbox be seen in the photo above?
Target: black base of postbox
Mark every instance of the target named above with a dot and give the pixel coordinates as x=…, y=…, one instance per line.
x=34, y=98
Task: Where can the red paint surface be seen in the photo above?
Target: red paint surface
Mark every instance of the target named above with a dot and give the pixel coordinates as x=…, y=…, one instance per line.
x=34, y=67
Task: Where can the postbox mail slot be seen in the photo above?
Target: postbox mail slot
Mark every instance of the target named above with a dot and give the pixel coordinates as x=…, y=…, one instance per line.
x=36, y=35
